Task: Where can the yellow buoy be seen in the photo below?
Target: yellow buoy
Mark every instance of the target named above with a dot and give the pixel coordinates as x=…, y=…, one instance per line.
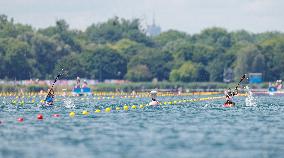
x=141, y=106
x=107, y=109
x=117, y=108
x=85, y=112
x=133, y=107
x=72, y=114
x=98, y=111
x=125, y=107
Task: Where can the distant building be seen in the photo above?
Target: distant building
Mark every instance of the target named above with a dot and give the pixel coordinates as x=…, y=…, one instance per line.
x=228, y=75
x=153, y=30
x=255, y=77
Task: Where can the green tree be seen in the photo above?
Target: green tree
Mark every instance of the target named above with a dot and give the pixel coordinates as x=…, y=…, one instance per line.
x=159, y=62
x=242, y=36
x=203, y=53
x=218, y=64
x=169, y=36
x=47, y=52
x=2, y=55
x=104, y=63
x=109, y=31
x=217, y=37
x=17, y=62
x=128, y=48
x=107, y=50
x=186, y=73
x=202, y=74
x=139, y=73
x=62, y=34
x=8, y=29
x=116, y=29
x=258, y=64
x=273, y=49
x=73, y=65
x=243, y=61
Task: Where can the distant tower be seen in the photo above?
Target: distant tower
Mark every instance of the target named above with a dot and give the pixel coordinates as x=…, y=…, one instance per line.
x=153, y=30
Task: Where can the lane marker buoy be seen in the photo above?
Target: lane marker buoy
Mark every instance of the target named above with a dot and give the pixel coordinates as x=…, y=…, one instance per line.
x=55, y=115
x=20, y=119
x=108, y=110
x=72, y=114
x=125, y=107
x=39, y=117
x=85, y=112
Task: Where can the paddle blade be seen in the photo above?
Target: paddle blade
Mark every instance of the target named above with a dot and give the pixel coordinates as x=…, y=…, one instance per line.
x=242, y=78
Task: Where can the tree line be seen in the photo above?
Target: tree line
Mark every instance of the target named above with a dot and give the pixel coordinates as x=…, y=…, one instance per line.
x=120, y=49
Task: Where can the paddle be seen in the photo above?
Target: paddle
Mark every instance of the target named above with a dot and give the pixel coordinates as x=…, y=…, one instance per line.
x=51, y=91
x=242, y=78
x=235, y=92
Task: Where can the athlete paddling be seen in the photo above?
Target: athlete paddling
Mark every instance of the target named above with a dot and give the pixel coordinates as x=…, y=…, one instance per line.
x=50, y=95
x=230, y=94
x=154, y=101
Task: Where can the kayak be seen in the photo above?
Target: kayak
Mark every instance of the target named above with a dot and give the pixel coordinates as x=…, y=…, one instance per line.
x=154, y=103
x=227, y=105
x=45, y=105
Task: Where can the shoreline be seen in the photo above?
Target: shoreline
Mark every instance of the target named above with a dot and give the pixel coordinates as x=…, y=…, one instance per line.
x=136, y=86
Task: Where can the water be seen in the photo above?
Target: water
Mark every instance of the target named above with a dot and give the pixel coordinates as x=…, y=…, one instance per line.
x=192, y=129
x=68, y=103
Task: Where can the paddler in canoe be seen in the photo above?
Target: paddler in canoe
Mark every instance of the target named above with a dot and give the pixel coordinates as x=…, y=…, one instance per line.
x=154, y=101
x=49, y=99
x=229, y=97
x=230, y=94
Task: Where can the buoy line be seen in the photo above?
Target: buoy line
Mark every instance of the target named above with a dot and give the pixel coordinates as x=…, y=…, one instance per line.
x=125, y=107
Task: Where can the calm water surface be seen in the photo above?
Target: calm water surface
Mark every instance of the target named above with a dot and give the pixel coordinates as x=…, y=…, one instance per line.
x=194, y=129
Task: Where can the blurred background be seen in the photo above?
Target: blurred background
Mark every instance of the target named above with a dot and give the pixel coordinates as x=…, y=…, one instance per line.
x=161, y=43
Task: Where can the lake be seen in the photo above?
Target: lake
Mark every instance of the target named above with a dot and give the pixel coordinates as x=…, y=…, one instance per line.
x=181, y=129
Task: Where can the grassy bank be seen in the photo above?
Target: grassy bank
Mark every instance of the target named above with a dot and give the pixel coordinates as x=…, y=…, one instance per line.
x=136, y=86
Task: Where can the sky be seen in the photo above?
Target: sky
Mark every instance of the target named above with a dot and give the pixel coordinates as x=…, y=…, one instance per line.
x=191, y=16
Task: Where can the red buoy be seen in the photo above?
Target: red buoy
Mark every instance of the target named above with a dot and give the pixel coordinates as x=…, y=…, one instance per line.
x=55, y=115
x=20, y=119
x=39, y=117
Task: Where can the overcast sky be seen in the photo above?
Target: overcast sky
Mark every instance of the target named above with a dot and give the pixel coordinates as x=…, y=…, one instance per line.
x=185, y=15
